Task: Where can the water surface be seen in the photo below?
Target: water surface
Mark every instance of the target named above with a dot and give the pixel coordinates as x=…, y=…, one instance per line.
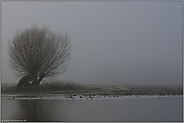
x=167, y=108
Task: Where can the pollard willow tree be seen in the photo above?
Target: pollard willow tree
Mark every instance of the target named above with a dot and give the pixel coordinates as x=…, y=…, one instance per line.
x=36, y=53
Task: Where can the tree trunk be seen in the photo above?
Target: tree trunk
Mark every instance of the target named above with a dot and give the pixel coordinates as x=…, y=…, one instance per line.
x=40, y=79
x=24, y=81
x=34, y=81
x=37, y=82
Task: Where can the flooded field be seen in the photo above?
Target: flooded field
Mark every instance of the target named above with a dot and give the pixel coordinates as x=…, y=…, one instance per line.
x=58, y=107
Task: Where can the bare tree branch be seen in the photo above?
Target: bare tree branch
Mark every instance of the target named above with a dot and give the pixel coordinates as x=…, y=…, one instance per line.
x=39, y=52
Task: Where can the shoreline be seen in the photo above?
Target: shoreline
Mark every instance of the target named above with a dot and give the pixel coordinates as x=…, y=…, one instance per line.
x=101, y=90
x=80, y=96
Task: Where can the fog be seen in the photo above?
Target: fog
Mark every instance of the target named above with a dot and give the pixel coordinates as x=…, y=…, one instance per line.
x=119, y=43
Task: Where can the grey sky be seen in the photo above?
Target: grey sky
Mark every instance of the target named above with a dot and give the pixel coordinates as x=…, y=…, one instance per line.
x=136, y=43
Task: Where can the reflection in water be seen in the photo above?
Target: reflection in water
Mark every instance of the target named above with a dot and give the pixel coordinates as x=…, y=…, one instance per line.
x=34, y=110
x=148, y=109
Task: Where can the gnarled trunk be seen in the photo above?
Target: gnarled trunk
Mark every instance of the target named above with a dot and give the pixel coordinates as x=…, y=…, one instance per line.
x=24, y=81
x=37, y=82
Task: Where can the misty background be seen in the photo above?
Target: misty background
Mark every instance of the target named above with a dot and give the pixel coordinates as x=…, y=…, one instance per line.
x=117, y=43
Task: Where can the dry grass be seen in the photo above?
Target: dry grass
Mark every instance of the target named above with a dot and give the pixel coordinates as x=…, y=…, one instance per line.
x=46, y=87
x=69, y=87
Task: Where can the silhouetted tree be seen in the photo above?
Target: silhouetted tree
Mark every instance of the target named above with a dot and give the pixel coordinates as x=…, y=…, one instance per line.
x=36, y=53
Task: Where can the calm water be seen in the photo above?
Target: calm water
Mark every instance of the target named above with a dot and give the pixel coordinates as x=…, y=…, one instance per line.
x=125, y=109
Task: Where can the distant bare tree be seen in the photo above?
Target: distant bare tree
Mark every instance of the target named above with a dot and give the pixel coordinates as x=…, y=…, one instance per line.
x=36, y=53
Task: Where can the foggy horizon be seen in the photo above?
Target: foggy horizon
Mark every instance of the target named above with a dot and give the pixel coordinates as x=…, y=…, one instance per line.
x=113, y=43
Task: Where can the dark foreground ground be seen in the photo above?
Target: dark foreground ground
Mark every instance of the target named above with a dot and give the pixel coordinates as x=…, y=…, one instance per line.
x=71, y=88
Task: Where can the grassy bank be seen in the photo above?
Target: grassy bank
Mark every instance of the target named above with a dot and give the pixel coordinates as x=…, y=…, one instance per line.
x=71, y=88
x=43, y=88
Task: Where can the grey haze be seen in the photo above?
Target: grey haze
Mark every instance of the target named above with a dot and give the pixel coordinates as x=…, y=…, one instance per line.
x=135, y=43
